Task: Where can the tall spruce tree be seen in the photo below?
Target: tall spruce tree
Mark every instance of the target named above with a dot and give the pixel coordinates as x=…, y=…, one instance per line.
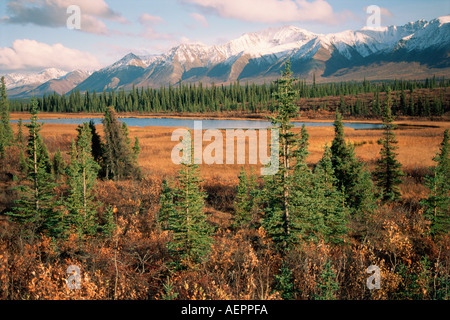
x=244, y=202
x=36, y=205
x=438, y=202
x=388, y=171
x=278, y=188
x=352, y=177
x=191, y=234
x=330, y=201
x=6, y=132
x=119, y=158
x=82, y=176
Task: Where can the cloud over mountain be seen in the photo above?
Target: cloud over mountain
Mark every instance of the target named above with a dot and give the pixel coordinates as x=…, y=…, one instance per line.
x=271, y=11
x=31, y=54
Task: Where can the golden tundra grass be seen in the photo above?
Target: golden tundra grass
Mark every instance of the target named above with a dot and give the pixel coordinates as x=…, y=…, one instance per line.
x=417, y=145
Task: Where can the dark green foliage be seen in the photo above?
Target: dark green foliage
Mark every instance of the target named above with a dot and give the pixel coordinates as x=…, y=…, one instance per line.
x=278, y=188
x=327, y=285
x=120, y=162
x=6, y=133
x=36, y=206
x=245, y=200
x=58, y=166
x=20, y=139
x=388, y=171
x=136, y=148
x=329, y=201
x=438, y=202
x=211, y=98
x=284, y=282
x=166, y=203
x=98, y=149
x=191, y=233
x=352, y=178
x=82, y=176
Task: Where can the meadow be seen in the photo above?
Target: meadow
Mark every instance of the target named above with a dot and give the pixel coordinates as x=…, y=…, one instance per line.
x=242, y=263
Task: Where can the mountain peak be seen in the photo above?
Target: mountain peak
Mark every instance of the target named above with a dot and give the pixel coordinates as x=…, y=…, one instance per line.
x=258, y=56
x=128, y=60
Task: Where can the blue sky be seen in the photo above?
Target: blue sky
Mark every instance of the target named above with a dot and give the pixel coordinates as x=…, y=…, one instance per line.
x=34, y=35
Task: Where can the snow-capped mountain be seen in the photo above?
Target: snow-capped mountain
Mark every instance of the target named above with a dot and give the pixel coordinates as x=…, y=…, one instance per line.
x=415, y=50
x=46, y=82
x=14, y=80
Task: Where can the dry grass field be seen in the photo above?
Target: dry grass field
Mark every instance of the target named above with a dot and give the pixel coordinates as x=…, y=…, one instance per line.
x=418, y=143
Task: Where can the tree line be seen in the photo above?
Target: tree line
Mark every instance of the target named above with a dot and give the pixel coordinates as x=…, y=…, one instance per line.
x=247, y=97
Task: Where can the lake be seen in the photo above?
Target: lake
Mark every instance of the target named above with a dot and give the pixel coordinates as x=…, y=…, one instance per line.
x=206, y=124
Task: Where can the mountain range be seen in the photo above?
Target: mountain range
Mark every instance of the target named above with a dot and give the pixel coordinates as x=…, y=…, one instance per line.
x=413, y=51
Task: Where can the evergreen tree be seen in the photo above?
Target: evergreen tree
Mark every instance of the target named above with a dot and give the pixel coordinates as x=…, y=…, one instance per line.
x=59, y=166
x=330, y=201
x=352, y=178
x=284, y=282
x=98, y=149
x=243, y=204
x=136, y=148
x=278, y=189
x=438, y=202
x=388, y=170
x=327, y=285
x=82, y=176
x=119, y=159
x=166, y=204
x=37, y=198
x=20, y=139
x=191, y=233
x=6, y=132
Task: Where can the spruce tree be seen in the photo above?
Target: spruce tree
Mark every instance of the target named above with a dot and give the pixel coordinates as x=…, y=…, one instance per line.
x=136, y=148
x=327, y=285
x=98, y=149
x=352, y=177
x=37, y=197
x=278, y=188
x=82, y=176
x=20, y=138
x=438, y=202
x=6, y=132
x=243, y=203
x=58, y=165
x=306, y=220
x=388, y=171
x=191, y=233
x=330, y=201
x=119, y=159
x=166, y=204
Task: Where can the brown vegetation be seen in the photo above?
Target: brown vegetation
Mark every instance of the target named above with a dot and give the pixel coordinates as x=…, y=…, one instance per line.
x=242, y=264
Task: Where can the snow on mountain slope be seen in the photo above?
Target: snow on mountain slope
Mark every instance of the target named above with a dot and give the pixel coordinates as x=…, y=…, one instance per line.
x=261, y=54
x=129, y=60
x=25, y=79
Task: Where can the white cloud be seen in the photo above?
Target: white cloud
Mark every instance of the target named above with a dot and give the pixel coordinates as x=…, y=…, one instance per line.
x=28, y=54
x=272, y=11
x=200, y=19
x=148, y=21
x=146, y=18
x=53, y=13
